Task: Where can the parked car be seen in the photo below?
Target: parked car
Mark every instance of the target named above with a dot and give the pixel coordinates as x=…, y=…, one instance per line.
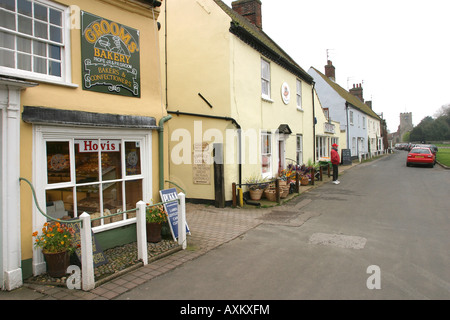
x=421, y=155
x=432, y=147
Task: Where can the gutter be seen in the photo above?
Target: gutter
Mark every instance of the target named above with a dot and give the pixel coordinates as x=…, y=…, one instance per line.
x=236, y=124
x=161, y=149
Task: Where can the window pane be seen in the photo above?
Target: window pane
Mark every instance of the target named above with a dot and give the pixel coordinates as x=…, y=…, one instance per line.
x=39, y=48
x=55, y=17
x=133, y=158
x=8, y=4
x=112, y=201
x=40, y=65
x=59, y=203
x=40, y=30
x=111, y=159
x=6, y=58
x=133, y=193
x=54, y=68
x=25, y=25
x=6, y=40
x=23, y=45
x=58, y=162
x=40, y=12
x=54, y=52
x=88, y=200
x=55, y=34
x=24, y=7
x=86, y=161
x=7, y=20
x=23, y=61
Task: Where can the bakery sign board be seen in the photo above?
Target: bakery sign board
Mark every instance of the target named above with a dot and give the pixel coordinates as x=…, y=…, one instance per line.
x=110, y=56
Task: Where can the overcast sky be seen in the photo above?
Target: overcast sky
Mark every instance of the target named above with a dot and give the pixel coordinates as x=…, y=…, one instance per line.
x=398, y=49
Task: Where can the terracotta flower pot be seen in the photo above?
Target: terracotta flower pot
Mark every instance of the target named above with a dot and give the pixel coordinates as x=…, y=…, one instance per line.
x=57, y=263
x=154, y=232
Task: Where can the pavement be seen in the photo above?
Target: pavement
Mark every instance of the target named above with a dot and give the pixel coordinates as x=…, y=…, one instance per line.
x=210, y=227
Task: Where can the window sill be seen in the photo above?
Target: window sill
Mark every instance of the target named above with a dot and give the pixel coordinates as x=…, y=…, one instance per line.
x=300, y=109
x=114, y=225
x=31, y=77
x=267, y=99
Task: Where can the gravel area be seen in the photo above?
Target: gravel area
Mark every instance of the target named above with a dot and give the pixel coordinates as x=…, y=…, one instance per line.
x=119, y=259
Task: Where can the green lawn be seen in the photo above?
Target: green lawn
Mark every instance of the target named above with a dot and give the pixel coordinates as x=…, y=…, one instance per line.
x=443, y=156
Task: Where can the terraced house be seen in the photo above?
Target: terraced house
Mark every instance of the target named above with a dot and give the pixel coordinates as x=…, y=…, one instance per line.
x=235, y=97
x=81, y=116
x=361, y=124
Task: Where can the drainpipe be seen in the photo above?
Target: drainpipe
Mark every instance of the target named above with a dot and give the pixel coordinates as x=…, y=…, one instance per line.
x=314, y=124
x=161, y=149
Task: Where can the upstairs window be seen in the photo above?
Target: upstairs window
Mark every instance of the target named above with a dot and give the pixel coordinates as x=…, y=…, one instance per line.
x=265, y=79
x=33, y=40
x=299, y=94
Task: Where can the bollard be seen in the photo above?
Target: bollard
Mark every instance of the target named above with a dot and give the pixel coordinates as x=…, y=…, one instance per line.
x=141, y=232
x=182, y=220
x=87, y=260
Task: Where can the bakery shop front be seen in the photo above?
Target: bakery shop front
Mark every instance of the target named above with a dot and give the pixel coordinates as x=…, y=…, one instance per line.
x=77, y=121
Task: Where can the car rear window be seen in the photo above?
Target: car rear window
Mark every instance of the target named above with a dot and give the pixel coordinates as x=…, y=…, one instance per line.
x=417, y=150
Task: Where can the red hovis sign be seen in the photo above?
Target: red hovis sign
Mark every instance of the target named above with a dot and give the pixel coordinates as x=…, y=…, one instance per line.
x=94, y=145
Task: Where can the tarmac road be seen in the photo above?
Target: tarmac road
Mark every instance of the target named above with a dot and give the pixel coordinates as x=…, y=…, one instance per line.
x=382, y=233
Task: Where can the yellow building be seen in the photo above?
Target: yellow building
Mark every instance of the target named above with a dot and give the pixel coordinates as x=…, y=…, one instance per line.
x=81, y=113
x=235, y=96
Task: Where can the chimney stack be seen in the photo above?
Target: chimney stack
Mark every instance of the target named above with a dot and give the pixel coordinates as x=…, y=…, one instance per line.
x=369, y=103
x=357, y=91
x=250, y=9
x=330, y=71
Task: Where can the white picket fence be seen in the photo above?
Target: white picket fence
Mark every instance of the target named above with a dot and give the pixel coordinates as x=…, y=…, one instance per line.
x=87, y=259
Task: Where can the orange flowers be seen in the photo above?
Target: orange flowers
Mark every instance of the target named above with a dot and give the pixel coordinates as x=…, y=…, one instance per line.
x=155, y=213
x=55, y=237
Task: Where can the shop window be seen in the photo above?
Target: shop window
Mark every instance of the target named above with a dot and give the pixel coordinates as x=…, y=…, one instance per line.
x=99, y=176
x=33, y=39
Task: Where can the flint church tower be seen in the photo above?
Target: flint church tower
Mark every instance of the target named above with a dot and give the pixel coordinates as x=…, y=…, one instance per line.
x=405, y=124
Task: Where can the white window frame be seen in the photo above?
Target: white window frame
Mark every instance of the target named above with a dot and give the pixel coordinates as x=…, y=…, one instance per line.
x=299, y=149
x=265, y=79
x=42, y=134
x=66, y=76
x=299, y=95
x=266, y=136
x=351, y=117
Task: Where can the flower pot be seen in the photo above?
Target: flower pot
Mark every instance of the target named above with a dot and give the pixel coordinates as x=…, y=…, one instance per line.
x=154, y=232
x=270, y=194
x=256, y=194
x=57, y=263
x=284, y=192
x=304, y=181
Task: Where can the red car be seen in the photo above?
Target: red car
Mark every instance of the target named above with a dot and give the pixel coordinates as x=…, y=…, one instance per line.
x=420, y=155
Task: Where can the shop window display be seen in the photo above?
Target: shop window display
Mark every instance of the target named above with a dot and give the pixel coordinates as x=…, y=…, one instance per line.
x=102, y=177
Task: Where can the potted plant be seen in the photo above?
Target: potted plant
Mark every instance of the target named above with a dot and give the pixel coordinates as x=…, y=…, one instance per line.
x=155, y=216
x=56, y=244
x=256, y=185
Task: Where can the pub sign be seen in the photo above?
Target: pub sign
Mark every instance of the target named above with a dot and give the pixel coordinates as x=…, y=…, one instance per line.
x=110, y=56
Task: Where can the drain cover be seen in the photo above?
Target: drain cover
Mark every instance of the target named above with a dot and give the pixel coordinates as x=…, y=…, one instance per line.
x=338, y=240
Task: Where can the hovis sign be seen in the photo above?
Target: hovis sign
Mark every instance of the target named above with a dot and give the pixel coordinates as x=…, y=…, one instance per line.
x=110, y=56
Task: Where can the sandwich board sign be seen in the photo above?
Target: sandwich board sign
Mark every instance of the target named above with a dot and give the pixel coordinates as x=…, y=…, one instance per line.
x=172, y=210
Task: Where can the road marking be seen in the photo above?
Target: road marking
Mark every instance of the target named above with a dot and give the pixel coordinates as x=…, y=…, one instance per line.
x=338, y=240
